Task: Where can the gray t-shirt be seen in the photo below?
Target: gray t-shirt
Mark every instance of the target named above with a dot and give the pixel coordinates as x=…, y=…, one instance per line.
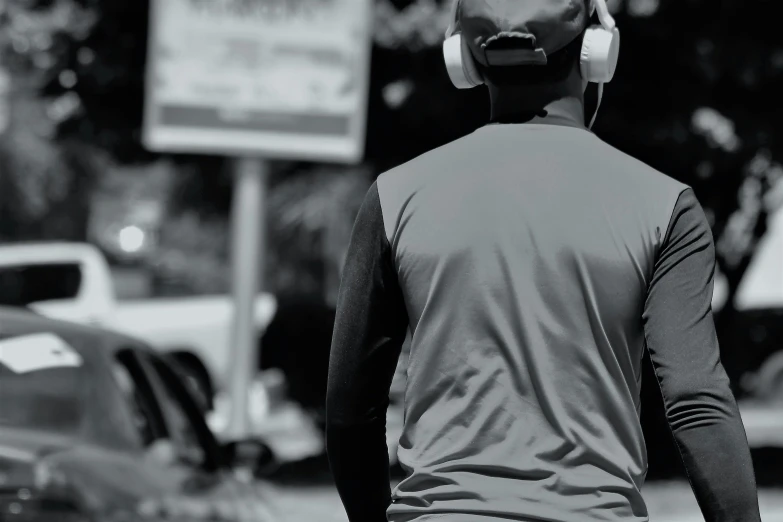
x=531, y=264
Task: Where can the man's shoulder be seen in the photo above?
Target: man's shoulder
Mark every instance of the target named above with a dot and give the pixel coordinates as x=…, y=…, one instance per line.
x=421, y=179
x=426, y=163
x=642, y=187
x=638, y=172
x=430, y=169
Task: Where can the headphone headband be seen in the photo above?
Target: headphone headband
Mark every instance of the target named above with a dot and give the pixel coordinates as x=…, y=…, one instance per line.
x=604, y=16
x=453, y=19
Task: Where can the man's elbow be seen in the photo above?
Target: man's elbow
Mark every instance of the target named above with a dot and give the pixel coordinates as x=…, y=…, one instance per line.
x=695, y=407
x=345, y=410
x=338, y=411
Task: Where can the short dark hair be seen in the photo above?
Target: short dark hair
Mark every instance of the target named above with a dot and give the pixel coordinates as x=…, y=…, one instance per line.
x=559, y=66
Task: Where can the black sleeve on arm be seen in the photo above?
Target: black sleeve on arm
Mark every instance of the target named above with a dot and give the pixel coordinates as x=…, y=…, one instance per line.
x=683, y=345
x=369, y=331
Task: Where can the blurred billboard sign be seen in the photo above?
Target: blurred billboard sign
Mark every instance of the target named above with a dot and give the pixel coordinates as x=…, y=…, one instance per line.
x=272, y=78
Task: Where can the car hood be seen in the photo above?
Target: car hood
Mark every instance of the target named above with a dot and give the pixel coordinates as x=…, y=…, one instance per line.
x=25, y=444
x=109, y=484
x=20, y=450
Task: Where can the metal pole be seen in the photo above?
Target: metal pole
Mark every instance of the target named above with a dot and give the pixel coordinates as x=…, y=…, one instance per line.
x=5, y=100
x=248, y=225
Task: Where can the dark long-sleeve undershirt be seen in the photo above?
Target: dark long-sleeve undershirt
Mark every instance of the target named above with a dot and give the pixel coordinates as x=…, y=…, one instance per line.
x=683, y=346
x=370, y=329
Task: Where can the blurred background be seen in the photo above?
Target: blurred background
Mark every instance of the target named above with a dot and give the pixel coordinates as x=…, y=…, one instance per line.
x=98, y=228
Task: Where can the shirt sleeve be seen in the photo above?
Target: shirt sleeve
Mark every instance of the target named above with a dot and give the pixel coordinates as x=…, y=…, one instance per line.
x=370, y=328
x=683, y=346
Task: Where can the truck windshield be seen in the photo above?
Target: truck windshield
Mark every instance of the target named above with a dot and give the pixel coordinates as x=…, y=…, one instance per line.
x=22, y=285
x=43, y=383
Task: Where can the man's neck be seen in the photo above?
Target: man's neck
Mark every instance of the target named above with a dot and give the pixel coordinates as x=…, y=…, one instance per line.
x=531, y=107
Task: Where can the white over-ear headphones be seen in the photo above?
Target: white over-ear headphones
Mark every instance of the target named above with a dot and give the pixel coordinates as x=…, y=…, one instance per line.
x=598, y=58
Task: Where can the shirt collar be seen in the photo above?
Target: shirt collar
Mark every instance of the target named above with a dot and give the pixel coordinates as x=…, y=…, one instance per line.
x=562, y=120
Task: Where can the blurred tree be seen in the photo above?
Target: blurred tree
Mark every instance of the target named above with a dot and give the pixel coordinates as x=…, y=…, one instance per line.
x=695, y=94
x=87, y=56
x=44, y=187
x=314, y=214
x=192, y=257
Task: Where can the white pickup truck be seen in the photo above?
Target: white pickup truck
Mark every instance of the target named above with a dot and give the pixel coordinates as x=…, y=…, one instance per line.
x=72, y=281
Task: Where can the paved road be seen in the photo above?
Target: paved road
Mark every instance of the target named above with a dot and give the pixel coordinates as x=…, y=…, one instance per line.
x=667, y=502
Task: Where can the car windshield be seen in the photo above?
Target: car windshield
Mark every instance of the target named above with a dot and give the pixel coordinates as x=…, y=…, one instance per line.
x=43, y=383
x=21, y=285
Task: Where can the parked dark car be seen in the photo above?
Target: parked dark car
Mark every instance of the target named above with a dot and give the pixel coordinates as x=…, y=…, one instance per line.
x=95, y=427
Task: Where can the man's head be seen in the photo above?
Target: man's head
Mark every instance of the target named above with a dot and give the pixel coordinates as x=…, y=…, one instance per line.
x=561, y=69
x=530, y=48
x=523, y=42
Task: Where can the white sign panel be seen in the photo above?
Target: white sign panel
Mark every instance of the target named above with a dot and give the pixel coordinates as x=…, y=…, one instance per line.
x=271, y=78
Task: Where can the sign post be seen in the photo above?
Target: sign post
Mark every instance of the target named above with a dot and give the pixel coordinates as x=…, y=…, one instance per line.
x=258, y=80
x=248, y=224
x=5, y=104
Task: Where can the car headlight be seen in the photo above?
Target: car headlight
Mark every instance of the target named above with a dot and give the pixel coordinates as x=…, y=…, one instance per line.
x=47, y=476
x=49, y=501
x=25, y=505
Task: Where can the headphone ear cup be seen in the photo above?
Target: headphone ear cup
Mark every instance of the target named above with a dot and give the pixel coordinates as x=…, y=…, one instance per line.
x=600, y=51
x=469, y=63
x=460, y=65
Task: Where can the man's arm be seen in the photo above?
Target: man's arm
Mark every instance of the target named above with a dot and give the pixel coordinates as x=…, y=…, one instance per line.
x=369, y=331
x=683, y=345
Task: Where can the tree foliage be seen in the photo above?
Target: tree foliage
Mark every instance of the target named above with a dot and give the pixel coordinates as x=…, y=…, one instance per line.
x=695, y=95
